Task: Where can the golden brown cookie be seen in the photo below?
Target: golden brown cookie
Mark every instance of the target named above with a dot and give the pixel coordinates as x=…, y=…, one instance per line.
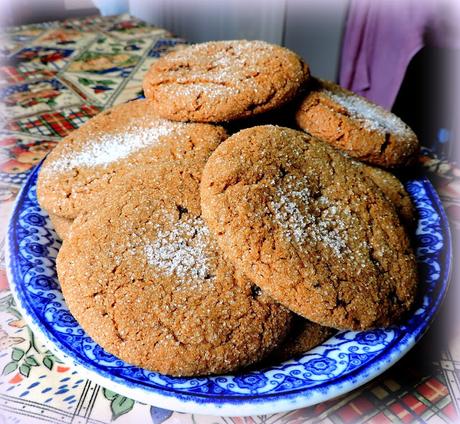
x=114, y=142
x=303, y=336
x=224, y=80
x=147, y=282
x=294, y=215
x=394, y=190
x=61, y=225
x=355, y=125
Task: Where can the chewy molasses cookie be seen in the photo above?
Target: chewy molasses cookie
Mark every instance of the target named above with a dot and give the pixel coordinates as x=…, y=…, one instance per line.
x=303, y=336
x=394, y=190
x=114, y=142
x=61, y=225
x=294, y=215
x=355, y=125
x=224, y=80
x=145, y=279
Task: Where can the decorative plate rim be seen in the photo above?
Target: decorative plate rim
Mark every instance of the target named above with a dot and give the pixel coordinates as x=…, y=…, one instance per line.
x=244, y=405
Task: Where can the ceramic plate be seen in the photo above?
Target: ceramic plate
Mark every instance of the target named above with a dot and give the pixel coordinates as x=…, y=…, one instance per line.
x=344, y=362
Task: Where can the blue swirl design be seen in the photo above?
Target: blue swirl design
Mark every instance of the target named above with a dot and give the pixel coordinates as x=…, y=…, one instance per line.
x=321, y=366
x=371, y=338
x=33, y=246
x=43, y=282
x=252, y=381
x=62, y=318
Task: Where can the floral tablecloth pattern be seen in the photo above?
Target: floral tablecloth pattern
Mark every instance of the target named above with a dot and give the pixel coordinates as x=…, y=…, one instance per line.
x=54, y=77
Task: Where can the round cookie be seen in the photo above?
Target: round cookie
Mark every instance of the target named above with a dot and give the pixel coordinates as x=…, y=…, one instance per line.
x=355, y=125
x=395, y=192
x=301, y=222
x=147, y=282
x=61, y=225
x=114, y=142
x=224, y=80
x=303, y=336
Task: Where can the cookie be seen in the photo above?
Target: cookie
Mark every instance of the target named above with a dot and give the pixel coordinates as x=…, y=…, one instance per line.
x=394, y=190
x=283, y=116
x=61, y=225
x=355, y=125
x=224, y=80
x=303, y=336
x=114, y=142
x=146, y=281
x=296, y=217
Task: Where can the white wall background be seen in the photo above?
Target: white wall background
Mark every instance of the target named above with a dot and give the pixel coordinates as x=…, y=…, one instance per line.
x=312, y=28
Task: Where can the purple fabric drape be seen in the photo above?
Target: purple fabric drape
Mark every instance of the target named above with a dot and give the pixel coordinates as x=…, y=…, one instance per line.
x=381, y=37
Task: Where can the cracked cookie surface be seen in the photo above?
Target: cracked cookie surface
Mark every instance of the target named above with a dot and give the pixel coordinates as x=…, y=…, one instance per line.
x=395, y=192
x=111, y=144
x=61, y=225
x=147, y=282
x=224, y=80
x=299, y=220
x=355, y=125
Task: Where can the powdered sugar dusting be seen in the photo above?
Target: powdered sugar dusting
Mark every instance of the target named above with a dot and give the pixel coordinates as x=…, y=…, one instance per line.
x=110, y=148
x=292, y=205
x=181, y=251
x=373, y=117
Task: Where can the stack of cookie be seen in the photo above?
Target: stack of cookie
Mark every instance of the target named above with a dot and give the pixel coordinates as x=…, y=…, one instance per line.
x=191, y=252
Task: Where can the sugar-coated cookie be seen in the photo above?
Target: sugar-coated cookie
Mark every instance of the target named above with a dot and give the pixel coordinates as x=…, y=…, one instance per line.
x=145, y=279
x=224, y=80
x=115, y=142
x=296, y=217
x=303, y=336
x=394, y=190
x=61, y=225
x=355, y=125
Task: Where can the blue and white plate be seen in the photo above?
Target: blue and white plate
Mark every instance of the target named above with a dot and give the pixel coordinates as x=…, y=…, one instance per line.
x=342, y=363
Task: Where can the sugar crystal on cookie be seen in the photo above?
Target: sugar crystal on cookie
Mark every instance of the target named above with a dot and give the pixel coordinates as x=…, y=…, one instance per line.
x=373, y=116
x=292, y=208
x=109, y=148
x=181, y=251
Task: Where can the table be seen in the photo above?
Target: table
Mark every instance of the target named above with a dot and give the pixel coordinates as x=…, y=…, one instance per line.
x=54, y=77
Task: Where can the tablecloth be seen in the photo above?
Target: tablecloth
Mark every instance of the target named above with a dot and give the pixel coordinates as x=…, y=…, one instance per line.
x=54, y=77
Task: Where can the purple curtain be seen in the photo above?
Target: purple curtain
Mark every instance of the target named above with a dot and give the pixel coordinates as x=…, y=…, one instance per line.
x=382, y=36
